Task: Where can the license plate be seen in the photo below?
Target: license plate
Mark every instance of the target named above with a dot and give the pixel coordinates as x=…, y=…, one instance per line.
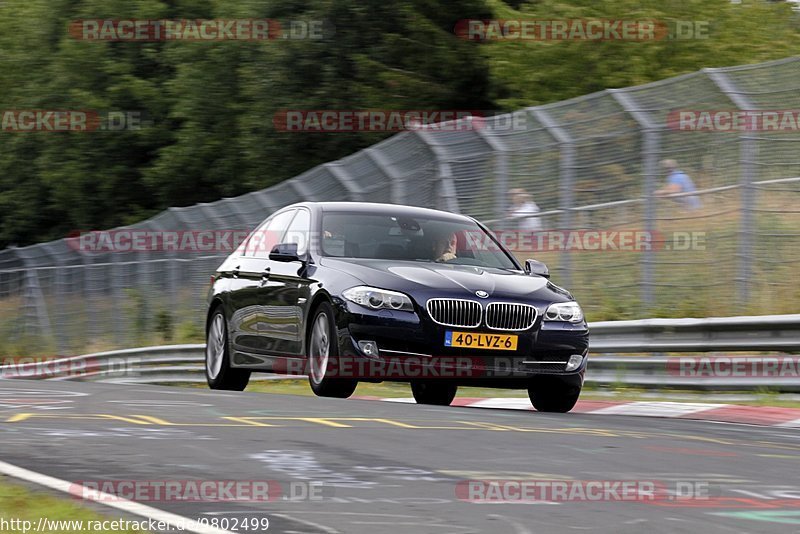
x=473, y=340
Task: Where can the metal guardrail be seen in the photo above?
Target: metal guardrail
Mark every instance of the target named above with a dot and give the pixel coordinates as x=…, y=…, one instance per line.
x=743, y=335
x=734, y=334
x=658, y=372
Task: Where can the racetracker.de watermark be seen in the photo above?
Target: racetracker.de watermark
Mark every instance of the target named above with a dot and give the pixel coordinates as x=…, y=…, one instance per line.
x=180, y=524
x=734, y=120
x=636, y=30
x=227, y=241
x=189, y=241
x=63, y=120
x=735, y=367
x=28, y=367
x=150, y=30
x=383, y=120
x=199, y=490
x=630, y=240
x=387, y=365
x=557, y=491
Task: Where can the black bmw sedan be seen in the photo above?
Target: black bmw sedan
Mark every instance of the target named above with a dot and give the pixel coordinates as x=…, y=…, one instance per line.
x=346, y=292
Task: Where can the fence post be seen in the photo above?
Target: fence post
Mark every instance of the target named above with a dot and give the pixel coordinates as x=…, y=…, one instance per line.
x=118, y=298
x=337, y=170
x=37, y=320
x=566, y=183
x=747, y=158
x=88, y=299
x=447, y=187
x=61, y=308
x=143, y=319
x=301, y=189
x=172, y=263
x=501, y=186
x=397, y=185
x=62, y=342
x=650, y=151
x=651, y=148
x=747, y=153
x=500, y=156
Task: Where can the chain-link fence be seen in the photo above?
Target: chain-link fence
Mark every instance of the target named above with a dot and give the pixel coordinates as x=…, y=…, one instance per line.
x=590, y=164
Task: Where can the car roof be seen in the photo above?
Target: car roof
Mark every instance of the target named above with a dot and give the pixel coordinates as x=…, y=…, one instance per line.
x=378, y=208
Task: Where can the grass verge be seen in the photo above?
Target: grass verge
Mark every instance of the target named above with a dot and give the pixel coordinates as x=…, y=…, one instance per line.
x=19, y=503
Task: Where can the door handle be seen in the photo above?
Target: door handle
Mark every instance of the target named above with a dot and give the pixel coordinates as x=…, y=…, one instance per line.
x=235, y=271
x=265, y=276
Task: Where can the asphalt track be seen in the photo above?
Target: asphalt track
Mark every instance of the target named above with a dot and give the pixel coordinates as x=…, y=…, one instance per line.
x=387, y=467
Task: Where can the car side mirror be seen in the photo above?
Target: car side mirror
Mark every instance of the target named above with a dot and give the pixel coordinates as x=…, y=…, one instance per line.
x=536, y=268
x=284, y=252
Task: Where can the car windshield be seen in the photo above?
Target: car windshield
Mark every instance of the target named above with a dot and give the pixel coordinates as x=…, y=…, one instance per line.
x=419, y=239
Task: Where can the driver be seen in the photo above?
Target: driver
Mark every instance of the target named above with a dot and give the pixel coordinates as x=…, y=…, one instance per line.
x=333, y=231
x=444, y=247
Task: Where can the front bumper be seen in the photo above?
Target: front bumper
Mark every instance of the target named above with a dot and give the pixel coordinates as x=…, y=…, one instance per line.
x=411, y=346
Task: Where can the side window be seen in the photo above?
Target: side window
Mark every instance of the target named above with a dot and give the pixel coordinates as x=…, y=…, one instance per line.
x=298, y=231
x=252, y=242
x=268, y=235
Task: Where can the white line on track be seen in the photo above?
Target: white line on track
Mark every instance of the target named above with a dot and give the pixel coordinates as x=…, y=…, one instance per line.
x=791, y=424
x=657, y=409
x=131, y=507
x=306, y=522
x=519, y=528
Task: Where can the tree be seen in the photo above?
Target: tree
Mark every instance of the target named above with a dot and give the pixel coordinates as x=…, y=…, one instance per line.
x=526, y=73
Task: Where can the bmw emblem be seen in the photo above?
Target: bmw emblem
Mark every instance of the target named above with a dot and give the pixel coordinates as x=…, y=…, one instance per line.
x=482, y=294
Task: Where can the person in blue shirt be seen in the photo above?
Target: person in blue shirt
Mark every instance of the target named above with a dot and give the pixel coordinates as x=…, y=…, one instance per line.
x=679, y=182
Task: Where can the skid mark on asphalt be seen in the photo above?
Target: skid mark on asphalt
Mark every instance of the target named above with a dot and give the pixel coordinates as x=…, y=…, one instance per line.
x=26, y=433
x=38, y=399
x=153, y=403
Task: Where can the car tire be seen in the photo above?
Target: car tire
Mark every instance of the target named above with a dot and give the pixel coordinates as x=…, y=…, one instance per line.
x=435, y=393
x=323, y=356
x=554, y=393
x=219, y=373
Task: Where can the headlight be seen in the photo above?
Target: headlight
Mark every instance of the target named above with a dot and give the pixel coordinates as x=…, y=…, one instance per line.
x=568, y=312
x=378, y=299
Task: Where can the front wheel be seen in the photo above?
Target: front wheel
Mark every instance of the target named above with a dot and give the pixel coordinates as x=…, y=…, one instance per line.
x=323, y=357
x=435, y=393
x=219, y=373
x=549, y=393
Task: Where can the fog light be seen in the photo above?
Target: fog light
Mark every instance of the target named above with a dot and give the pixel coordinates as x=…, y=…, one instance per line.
x=369, y=348
x=574, y=362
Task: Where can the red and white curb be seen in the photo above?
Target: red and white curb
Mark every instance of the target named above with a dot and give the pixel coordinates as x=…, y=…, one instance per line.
x=727, y=413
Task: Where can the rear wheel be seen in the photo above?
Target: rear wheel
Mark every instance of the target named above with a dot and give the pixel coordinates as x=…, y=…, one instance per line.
x=554, y=393
x=436, y=393
x=323, y=357
x=219, y=373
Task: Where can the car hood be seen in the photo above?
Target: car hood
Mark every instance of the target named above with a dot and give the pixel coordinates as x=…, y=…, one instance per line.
x=451, y=280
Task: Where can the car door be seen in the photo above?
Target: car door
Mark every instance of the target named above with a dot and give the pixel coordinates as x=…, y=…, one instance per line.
x=250, y=275
x=287, y=292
